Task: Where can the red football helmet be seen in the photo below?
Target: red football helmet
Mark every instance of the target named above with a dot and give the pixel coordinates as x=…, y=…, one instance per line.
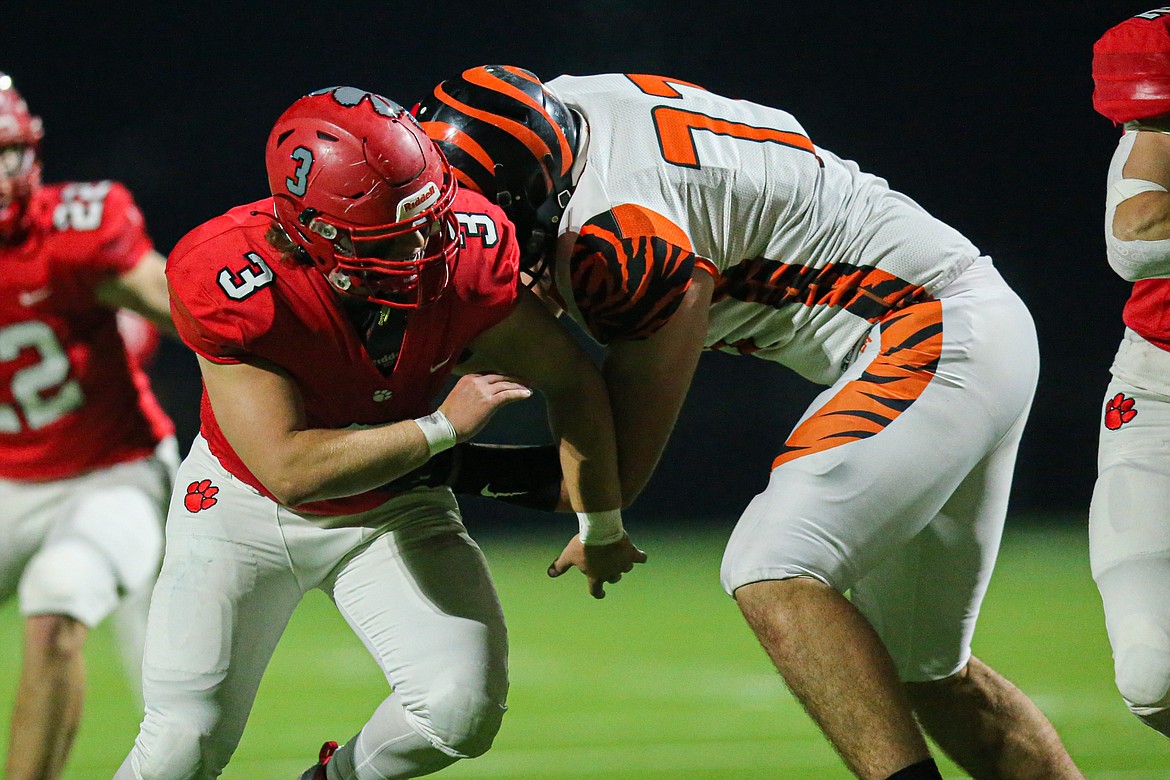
x=366, y=195
x=1131, y=68
x=20, y=162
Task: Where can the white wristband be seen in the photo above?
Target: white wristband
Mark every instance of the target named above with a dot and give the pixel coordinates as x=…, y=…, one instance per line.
x=599, y=528
x=438, y=431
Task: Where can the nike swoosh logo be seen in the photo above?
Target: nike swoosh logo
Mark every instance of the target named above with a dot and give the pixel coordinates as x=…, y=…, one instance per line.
x=437, y=366
x=29, y=298
x=487, y=491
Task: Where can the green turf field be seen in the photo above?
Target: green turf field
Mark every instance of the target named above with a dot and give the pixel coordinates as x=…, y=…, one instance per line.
x=659, y=680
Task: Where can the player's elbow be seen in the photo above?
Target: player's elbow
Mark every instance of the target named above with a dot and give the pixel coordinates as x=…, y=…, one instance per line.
x=291, y=489
x=1143, y=218
x=287, y=495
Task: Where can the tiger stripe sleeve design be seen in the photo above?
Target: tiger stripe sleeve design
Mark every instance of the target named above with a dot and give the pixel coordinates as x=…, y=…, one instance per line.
x=626, y=288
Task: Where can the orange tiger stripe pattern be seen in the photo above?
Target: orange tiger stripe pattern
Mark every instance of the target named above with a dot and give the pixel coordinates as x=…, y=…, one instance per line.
x=627, y=286
x=911, y=348
x=456, y=137
x=864, y=291
x=485, y=79
x=635, y=220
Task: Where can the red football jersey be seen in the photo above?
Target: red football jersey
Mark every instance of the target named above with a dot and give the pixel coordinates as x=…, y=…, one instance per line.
x=233, y=298
x=70, y=399
x=1147, y=311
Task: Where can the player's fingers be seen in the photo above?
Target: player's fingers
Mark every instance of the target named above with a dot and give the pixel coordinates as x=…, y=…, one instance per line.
x=510, y=394
x=558, y=567
x=615, y=578
x=596, y=588
x=496, y=380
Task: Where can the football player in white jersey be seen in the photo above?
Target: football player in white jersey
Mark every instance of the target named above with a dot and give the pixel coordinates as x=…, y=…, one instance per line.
x=667, y=220
x=1129, y=519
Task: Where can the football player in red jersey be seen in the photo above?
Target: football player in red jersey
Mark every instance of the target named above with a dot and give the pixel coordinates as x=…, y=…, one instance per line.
x=326, y=318
x=679, y=220
x=1129, y=518
x=86, y=453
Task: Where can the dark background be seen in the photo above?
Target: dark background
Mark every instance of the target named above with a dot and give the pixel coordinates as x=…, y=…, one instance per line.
x=981, y=112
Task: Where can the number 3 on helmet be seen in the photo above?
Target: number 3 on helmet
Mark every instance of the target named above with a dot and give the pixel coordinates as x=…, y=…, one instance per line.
x=363, y=192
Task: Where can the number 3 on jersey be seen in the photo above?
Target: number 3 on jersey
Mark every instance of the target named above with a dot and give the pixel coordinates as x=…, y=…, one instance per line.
x=43, y=391
x=240, y=284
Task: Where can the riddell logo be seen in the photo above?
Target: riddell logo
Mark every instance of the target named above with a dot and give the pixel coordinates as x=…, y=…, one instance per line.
x=413, y=205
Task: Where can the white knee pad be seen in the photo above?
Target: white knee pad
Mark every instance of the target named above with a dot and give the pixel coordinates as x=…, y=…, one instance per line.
x=1142, y=663
x=174, y=747
x=69, y=577
x=462, y=721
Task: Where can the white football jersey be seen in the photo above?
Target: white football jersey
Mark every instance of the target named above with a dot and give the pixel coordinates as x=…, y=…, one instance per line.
x=807, y=251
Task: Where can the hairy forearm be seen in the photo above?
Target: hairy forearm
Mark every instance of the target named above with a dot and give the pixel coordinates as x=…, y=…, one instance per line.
x=586, y=443
x=318, y=464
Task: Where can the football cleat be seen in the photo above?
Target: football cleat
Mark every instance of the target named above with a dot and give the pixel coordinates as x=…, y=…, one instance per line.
x=317, y=771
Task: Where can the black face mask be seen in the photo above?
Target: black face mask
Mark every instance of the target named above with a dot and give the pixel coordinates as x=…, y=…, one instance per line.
x=381, y=330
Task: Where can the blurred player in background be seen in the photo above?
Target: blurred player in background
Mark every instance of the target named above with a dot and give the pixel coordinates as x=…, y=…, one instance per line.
x=1129, y=519
x=326, y=319
x=86, y=453
x=676, y=221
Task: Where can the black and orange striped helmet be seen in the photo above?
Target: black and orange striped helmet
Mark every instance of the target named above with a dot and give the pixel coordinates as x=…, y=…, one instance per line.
x=511, y=139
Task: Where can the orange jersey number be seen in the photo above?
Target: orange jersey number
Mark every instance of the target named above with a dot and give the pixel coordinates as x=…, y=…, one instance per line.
x=676, y=127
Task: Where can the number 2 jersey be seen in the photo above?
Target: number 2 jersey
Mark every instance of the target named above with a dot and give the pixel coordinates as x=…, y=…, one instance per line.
x=234, y=298
x=71, y=400
x=806, y=250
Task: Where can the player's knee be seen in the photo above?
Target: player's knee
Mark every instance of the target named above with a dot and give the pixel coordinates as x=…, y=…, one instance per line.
x=464, y=719
x=1142, y=664
x=69, y=579
x=173, y=748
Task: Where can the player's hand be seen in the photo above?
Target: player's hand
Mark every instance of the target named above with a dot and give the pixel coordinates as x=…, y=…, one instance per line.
x=600, y=563
x=476, y=397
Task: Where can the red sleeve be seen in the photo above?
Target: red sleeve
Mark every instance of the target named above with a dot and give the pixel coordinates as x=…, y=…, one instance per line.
x=103, y=228
x=208, y=320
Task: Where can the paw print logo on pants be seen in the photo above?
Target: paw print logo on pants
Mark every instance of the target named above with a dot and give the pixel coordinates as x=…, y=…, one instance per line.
x=200, y=496
x=1118, y=411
